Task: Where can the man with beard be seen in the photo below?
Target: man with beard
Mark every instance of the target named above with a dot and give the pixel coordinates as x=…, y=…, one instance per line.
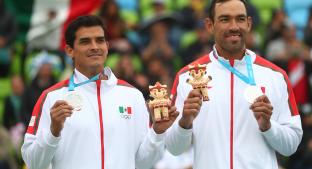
x=251, y=114
x=92, y=120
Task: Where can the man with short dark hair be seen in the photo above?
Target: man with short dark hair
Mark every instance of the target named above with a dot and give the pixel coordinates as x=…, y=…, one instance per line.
x=252, y=112
x=92, y=120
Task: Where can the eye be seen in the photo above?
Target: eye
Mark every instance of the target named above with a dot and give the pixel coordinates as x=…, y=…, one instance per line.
x=100, y=40
x=242, y=19
x=224, y=19
x=84, y=41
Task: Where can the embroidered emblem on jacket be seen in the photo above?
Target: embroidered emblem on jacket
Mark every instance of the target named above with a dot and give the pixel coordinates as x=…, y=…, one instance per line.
x=125, y=112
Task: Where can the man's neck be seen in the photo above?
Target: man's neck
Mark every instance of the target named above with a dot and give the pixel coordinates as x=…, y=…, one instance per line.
x=90, y=73
x=230, y=55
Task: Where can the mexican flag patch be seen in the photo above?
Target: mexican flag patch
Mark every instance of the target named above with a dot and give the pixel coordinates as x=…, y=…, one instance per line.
x=123, y=109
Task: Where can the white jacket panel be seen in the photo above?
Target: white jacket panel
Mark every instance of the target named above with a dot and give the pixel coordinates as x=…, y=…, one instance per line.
x=220, y=135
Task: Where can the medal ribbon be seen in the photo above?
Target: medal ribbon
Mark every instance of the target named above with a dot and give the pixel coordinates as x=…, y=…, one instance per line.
x=72, y=84
x=250, y=79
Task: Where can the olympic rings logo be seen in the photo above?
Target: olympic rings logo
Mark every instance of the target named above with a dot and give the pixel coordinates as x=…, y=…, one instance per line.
x=125, y=116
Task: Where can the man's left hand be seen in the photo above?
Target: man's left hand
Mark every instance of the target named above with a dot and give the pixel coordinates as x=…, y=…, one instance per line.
x=262, y=109
x=162, y=126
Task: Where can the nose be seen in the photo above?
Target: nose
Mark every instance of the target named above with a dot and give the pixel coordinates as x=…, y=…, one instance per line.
x=94, y=45
x=234, y=25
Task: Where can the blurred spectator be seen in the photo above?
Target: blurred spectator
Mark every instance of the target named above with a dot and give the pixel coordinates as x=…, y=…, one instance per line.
x=275, y=27
x=253, y=12
x=293, y=56
x=152, y=8
x=125, y=70
x=308, y=31
x=129, y=12
x=45, y=28
x=8, y=32
x=68, y=68
x=7, y=152
x=110, y=16
x=121, y=45
x=161, y=13
x=202, y=45
x=43, y=79
x=265, y=8
x=35, y=59
x=252, y=42
x=13, y=114
x=14, y=118
x=193, y=13
x=118, y=33
x=279, y=49
x=159, y=45
x=302, y=158
x=159, y=7
x=298, y=76
x=298, y=12
x=157, y=71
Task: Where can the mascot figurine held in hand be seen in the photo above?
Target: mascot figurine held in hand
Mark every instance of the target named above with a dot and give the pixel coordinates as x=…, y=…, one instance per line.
x=198, y=79
x=160, y=103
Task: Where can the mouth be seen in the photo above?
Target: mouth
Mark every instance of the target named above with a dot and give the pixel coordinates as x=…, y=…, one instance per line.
x=94, y=54
x=233, y=37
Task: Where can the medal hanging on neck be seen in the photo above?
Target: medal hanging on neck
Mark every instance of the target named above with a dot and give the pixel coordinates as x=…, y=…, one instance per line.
x=72, y=97
x=252, y=91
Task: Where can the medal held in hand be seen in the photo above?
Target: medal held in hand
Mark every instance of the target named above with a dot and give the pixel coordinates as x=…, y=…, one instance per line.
x=74, y=99
x=198, y=79
x=251, y=93
x=160, y=103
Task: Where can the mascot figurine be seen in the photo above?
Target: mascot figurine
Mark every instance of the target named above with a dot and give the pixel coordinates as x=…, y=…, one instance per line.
x=198, y=79
x=161, y=102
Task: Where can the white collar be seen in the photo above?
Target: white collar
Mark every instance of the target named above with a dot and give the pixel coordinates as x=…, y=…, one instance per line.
x=236, y=61
x=112, y=80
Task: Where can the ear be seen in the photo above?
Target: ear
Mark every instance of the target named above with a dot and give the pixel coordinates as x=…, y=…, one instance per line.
x=69, y=51
x=107, y=44
x=209, y=25
x=249, y=23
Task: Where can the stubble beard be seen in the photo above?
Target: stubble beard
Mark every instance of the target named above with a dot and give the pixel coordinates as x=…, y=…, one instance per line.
x=233, y=47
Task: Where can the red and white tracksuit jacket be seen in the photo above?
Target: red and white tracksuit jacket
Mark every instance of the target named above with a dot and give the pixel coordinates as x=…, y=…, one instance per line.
x=225, y=134
x=111, y=130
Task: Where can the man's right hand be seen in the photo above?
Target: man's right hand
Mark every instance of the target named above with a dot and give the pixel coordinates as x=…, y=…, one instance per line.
x=59, y=112
x=191, y=108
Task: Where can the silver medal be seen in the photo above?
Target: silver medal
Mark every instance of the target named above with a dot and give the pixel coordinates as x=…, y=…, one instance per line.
x=251, y=93
x=74, y=99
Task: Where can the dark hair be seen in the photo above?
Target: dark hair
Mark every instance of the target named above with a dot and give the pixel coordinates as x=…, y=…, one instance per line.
x=211, y=9
x=81, y=21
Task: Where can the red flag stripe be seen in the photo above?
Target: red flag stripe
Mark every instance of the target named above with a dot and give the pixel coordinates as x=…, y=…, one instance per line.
x=129, y=110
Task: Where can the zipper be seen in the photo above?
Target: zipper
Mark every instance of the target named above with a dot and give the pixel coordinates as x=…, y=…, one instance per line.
x=98, y=91
x=231, y=114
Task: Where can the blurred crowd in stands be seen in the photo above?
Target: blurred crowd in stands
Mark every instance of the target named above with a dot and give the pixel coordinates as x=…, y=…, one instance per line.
x=149, y=41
